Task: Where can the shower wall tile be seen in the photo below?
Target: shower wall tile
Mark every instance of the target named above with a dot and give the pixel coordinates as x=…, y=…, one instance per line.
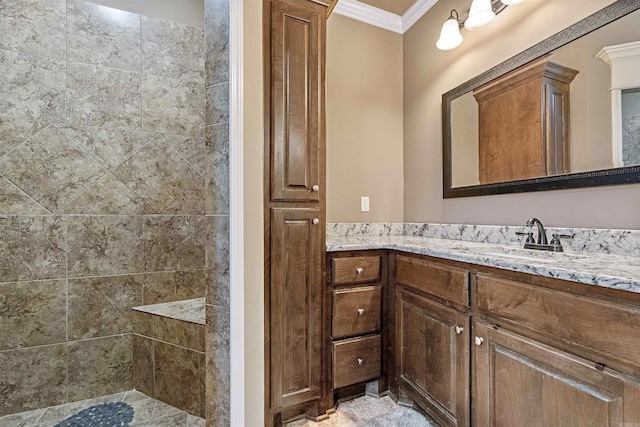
x=50, y=168
x=32, y=248
x=218, y=412
x=179, y=332
x=194, y=149
x=107, y=196
x=103, y=36
x=100, y=367
x=177, y=374
x=143, y=365
x=34, y=313
x=217, y=260
x=101, y=208
x=142, y=323
x=13, y=201
x=14, y=132
x=157, y=174
x=173, y=286
x=101, y=306
x=108, y=146
x=216, y=17
x=218, y=352
x=192, y=202
x=172, y=105
x=33, y=87
x=104, y=245
x=32, y=378
x=100, y=96
x=33, y=26
x=217, y=104
x=172, y=50
x=218, y=170
x=174, y=243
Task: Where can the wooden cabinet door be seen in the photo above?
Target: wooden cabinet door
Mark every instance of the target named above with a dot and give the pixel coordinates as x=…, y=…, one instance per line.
x=297, y=97
x=295, y=293
x=521, y=382
x=432, y=357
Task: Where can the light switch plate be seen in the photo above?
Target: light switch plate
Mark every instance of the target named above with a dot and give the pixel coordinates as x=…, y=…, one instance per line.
x=364, y=204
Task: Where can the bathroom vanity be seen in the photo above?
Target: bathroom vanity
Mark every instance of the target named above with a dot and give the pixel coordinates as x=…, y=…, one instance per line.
x=473, y=342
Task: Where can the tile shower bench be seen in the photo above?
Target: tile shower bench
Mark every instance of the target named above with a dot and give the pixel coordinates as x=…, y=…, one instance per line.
x=169, y=353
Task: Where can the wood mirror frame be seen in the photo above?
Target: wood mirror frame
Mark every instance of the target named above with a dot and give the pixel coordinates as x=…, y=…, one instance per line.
x=613, y=176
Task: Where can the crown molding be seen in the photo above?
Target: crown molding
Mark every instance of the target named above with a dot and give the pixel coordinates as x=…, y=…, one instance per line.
x=370, y=15
x=363, y=12
x=415, y=12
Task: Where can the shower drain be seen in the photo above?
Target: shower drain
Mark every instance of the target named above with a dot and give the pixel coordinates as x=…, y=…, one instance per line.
x=116, y=414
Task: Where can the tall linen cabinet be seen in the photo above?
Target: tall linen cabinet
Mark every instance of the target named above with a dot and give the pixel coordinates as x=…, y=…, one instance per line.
x=295, y=220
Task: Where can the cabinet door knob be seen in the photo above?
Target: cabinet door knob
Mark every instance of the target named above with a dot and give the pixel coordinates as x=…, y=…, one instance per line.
x=316, y=188
x=458, y=329
x=316, y=221
x=361, y=311
x=360, y=361
x=479, y=341
x=359, y=270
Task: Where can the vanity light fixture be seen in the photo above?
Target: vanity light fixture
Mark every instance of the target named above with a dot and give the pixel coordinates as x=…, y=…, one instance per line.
x=480, y=14
x=450, y=37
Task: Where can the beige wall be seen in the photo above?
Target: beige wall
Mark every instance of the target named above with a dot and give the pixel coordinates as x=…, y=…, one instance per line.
x=428, y=73
x=364, y=122
x=188, y=12
x=253, y=210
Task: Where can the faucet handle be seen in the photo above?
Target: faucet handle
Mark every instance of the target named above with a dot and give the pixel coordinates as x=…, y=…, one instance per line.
x=556, y=243
x=557, y=236
x=529, y=235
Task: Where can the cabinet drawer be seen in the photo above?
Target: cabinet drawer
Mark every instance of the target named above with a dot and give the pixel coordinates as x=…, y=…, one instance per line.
x=356, y=311
x=449, y=283
x=356, y=360
x=356, y=269
x=607, y=329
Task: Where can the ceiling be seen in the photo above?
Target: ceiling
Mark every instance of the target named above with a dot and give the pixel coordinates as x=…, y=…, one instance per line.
x=398, y=7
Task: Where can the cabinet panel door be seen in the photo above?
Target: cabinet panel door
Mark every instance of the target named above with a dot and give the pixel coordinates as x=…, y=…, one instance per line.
x=432, y=357
x=298, y=29
x=520, y=382
x=296, y=250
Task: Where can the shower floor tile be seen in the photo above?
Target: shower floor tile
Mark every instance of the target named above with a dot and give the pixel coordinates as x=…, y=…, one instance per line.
x=130, y=408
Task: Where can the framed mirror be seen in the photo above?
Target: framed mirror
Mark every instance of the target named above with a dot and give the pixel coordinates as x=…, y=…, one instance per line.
x=563, y=114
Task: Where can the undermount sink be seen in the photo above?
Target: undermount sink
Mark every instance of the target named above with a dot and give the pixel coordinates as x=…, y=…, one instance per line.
x=521, y=257
x=531, y=255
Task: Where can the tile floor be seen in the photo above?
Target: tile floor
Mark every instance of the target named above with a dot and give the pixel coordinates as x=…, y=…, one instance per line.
x=368, y=411
x=147, y=412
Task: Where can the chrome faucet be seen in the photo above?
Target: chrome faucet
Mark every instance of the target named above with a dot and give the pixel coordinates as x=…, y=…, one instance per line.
x=542, y=233
x=542, y=244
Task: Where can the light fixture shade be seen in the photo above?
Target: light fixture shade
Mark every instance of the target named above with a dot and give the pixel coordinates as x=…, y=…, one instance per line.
x=480, y=15
x=511, y=2
x=450, y=37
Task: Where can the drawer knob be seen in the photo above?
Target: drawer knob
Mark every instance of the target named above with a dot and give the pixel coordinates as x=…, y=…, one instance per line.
x=360, y=361
x=316, y=221
x=458, y=329
x=316, y=188
x=361, y=311
x=359, y=270
x=479, y=341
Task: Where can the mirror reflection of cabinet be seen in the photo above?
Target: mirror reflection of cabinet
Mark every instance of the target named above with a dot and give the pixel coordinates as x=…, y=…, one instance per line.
x=529, y=107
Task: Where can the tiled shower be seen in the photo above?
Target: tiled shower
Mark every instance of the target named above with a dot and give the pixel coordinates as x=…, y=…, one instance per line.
x=113, y=194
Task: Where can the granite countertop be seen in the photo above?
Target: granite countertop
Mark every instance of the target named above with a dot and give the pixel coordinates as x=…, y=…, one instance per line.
x=605, y=270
